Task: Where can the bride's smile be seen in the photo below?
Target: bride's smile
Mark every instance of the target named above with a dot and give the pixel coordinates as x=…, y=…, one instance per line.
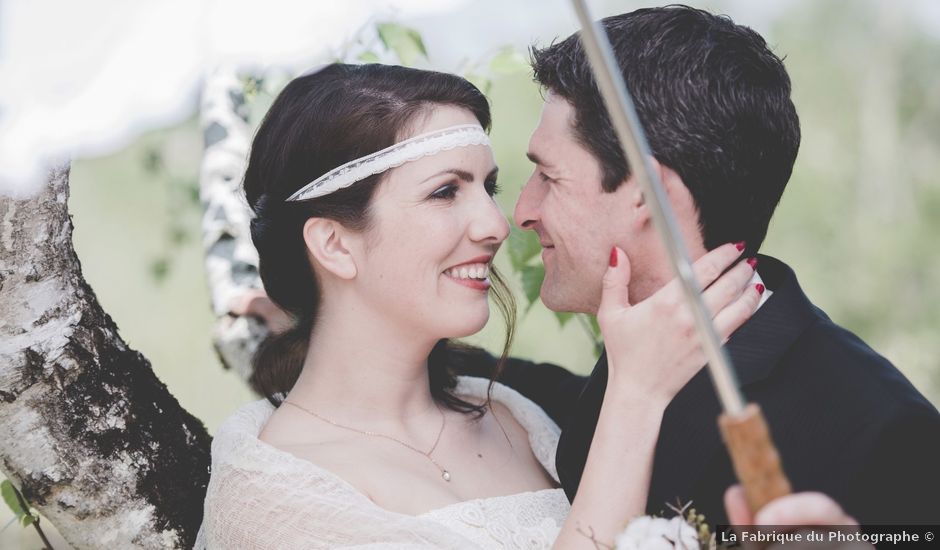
x=427, y=257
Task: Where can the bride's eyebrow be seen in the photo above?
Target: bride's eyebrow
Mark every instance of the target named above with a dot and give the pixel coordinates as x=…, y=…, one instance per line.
x=461, y=174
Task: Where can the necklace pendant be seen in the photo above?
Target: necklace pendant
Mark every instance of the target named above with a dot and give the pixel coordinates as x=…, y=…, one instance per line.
x=446, y=475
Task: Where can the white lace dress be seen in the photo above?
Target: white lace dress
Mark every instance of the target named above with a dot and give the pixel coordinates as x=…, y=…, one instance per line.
x=261, y=497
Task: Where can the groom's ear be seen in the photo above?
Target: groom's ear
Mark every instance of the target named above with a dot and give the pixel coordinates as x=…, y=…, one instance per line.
x=679, y=197
x=330, y=244
x=637, y=197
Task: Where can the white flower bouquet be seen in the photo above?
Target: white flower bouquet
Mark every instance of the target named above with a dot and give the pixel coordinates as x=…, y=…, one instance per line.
x=685, y=531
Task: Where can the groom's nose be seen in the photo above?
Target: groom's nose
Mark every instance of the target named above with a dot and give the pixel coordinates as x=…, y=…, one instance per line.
x=526, y=214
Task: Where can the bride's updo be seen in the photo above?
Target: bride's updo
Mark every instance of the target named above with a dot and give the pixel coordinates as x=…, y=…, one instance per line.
x=318, y=122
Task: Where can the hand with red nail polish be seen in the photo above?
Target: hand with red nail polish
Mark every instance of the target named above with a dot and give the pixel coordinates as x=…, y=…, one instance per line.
x=652, y=347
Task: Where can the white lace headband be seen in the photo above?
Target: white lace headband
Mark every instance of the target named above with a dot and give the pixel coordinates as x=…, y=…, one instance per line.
x=392, y=157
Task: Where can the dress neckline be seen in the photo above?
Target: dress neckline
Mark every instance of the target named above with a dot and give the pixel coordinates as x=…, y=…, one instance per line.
x=473, y=501
x=469, y=387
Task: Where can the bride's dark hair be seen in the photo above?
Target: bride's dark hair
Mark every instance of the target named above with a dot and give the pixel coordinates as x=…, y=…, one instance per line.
x=318, y=122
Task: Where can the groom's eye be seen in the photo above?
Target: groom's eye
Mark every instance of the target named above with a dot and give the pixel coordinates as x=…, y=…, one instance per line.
x=544, y=177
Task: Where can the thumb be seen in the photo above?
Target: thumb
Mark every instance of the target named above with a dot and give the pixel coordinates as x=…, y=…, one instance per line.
x=739, y=512
x=614, y=293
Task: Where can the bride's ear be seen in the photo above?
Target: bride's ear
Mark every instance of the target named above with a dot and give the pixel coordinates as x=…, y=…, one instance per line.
x=330, y=245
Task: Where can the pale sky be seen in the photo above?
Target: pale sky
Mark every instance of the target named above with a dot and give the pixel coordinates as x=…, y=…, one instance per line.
x=85, y=78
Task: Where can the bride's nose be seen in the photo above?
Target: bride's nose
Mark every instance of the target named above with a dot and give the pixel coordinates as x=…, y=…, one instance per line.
x=488, y=223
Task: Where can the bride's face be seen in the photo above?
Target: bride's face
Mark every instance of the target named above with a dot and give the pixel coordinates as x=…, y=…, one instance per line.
x=435, y=229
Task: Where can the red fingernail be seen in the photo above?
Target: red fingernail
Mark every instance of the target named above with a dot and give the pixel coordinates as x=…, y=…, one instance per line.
x=613, y=256
x=760, y=288
x=753, y=263
x=740, y=245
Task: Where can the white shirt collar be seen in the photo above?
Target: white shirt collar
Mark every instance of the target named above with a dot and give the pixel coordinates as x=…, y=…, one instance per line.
x=755, y=279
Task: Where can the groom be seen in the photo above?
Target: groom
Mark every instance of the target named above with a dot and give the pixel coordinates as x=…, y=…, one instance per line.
x=715, y=104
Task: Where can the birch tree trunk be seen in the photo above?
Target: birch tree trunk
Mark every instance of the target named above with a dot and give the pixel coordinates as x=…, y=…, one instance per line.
x=88, y=434
x=231, y=258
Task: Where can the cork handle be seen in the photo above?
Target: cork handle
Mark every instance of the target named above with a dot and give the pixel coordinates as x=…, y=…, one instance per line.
x=754, y=456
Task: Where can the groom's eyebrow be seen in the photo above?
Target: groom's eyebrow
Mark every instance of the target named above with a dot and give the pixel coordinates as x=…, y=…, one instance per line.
x=536, y=160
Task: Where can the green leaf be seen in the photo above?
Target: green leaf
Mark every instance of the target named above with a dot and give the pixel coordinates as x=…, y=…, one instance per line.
x=532, y=276
x=193, y=193
x=153, y=160
x=9, y=496
x=595, y=333
x=251, y=87
x=368, y=57
x=508, y=61
x=523, y=246
x=159, y=269
x=595, y=328
x=563, y=317
x=404, y=41
x=178, y=235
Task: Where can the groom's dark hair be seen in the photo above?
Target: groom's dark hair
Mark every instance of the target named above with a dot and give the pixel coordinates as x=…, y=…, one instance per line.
x=715, y=104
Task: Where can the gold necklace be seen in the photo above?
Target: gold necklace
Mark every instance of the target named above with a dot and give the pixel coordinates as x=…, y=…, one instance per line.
x=445, y=475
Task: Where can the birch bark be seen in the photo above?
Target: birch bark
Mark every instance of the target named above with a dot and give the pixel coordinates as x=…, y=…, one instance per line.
x=90, y=436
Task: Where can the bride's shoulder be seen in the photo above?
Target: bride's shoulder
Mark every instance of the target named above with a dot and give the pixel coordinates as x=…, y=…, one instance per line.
x=520, y=417
x=260, y=444
x=262, y=427
x=508, y=401
x=247, y=420
x=316, y=442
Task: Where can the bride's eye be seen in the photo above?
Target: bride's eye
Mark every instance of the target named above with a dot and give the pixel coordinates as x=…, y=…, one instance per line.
x=492, y=188
x=446, y=192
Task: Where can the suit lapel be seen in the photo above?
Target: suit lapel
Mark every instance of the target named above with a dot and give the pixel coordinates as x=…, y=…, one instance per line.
x=689, y=436
x=577, y=434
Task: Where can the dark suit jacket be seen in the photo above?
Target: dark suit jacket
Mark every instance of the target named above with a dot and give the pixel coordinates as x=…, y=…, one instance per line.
x=845, y=421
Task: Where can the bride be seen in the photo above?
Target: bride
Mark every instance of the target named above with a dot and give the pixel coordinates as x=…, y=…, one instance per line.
x=376, y=229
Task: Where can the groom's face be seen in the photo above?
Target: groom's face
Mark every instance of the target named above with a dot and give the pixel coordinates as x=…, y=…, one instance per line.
x=576, y=221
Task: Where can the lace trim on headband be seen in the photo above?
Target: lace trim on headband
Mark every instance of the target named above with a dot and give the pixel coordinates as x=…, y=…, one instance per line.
x=392, y=157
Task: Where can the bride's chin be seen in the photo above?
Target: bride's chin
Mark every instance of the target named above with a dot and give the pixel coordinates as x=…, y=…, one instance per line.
x=468, y=327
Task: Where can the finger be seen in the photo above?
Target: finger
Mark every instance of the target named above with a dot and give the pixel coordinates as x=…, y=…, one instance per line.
x=729, y=287
x=803, y=509
x=276, y=319
x=710, y=266
x=707, y=268
x=739, y=512
x=738, y=312
x=614, y=294
x=242, y=304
